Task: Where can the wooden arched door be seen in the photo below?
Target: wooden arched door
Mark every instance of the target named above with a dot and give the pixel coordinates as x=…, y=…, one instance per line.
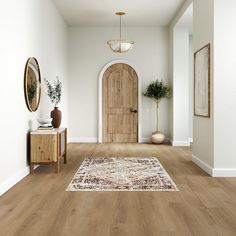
x=120, y=104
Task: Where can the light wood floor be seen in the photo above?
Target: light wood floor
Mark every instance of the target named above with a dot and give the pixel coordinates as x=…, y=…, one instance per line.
x=39, y=205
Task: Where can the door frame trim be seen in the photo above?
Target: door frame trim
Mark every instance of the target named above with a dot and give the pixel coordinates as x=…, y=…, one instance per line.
x=100, y=128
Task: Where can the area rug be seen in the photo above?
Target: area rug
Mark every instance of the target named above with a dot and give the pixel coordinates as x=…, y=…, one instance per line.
x=121, y=174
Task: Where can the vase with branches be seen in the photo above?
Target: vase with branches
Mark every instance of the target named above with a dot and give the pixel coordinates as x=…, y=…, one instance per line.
x=54, y=92
x=157, y=90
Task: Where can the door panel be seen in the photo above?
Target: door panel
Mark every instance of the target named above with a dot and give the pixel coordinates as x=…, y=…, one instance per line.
x=120, y=124
x=120, y=98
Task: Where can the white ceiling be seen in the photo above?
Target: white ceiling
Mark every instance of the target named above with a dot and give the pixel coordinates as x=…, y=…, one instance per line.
x=101, y=12
x=187, y=19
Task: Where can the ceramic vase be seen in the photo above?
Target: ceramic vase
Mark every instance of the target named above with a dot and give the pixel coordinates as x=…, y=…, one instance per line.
x=157, y=137
x=56, y=117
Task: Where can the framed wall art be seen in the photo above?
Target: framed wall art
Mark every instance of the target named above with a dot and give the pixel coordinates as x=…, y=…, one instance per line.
x=202, y=82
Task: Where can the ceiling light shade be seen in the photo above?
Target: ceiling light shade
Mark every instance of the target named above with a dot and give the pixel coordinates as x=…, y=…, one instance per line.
x=120, y=45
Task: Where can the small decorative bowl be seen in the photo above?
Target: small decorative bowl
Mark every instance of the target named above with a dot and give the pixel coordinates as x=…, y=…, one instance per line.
x=44, y=121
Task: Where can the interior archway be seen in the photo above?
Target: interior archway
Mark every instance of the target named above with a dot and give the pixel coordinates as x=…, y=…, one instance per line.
x=101, y=77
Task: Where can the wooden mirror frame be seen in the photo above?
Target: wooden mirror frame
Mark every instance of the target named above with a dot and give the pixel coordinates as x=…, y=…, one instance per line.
x=25, y=85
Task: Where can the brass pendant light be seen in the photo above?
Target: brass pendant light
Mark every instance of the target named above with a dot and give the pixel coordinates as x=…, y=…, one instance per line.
x=120, y=45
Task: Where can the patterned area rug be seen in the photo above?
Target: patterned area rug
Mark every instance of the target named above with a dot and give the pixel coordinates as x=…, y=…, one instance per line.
x=121, y=174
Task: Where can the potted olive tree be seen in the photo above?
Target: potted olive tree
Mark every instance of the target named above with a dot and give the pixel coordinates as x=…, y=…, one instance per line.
x=157, y=90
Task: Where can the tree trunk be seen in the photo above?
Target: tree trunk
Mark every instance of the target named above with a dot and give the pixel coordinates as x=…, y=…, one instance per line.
x=157, y=116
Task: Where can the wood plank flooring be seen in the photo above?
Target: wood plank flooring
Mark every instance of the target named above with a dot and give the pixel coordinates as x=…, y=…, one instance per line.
x=39, y=205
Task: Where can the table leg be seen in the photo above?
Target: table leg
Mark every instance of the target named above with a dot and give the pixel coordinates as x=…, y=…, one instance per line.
x=65, y=158
x=57, y=166
x=31, y=168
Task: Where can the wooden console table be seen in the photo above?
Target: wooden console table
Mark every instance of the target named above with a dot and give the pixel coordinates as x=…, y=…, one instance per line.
x=47, y=147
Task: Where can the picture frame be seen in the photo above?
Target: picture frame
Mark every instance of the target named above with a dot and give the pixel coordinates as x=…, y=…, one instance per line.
x=202, y=82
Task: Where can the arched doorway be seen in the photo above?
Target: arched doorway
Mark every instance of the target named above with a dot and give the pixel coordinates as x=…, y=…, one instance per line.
x=119, y=103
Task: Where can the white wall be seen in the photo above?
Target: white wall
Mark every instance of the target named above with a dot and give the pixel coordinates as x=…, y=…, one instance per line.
x=214, y=138
x=179, y=116
x=170, y=69
x=88, y=53
x=28, y=29
x=181, y=86
x=224, y=84
x=203, y=27
x=191, y=87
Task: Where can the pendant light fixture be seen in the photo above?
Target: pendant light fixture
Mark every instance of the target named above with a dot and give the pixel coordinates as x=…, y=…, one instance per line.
x=120, y=45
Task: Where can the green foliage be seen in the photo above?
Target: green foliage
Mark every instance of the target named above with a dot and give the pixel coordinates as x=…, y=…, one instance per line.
x=54, y=91
x=157, y=90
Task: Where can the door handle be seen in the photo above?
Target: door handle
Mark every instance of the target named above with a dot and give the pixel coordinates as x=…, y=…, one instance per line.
x=133, y=110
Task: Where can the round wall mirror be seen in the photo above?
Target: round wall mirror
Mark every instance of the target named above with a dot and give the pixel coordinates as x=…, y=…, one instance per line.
x=32, y=84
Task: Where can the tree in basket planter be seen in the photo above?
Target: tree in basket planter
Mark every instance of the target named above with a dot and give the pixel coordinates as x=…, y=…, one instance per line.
x=157, y=90
x=54, y=92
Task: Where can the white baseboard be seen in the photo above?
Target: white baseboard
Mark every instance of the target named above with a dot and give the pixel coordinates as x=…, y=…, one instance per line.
x=224, y=172
x=180, y=143
x=214, y=172
x=95, y=140
x=208, y=169
x=82, y=140
x=14, y=179
x=146, y=140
